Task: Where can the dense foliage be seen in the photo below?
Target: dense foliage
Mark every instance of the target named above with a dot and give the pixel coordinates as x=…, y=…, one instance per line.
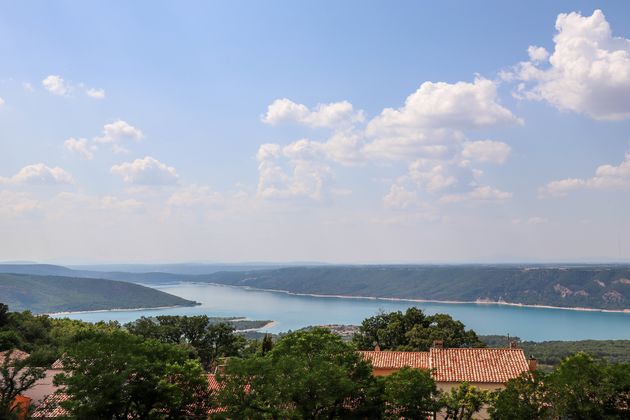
x=413, y=331
x=578, y=388
x=206, y=339
x=43, y=294
x=156, y=368
x=307, y=374
x=552, y=352
x=117, y=375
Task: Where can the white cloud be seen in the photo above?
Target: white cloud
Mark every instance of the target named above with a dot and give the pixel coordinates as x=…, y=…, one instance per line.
x=606, y=177
x=301, y=176
x=118, y=131
x=28, y=87
x=2, y=102
x=537, y=54
x=460, y=105
x=588, y=72
x=323, y=115
x=431, y=175
x=147, y=171
x=39, y=174
x=480, y=193
x=486, y=151
x=55, y=85
x=79, y=146
x=95, y=93
x=399, y=198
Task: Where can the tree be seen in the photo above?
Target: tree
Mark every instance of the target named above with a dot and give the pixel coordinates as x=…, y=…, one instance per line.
x=413, y=331
x=410, y=393
x=16, y=376
x=267, y=344
x=463, y=401
x=114, y=375
x=308, y=374
x=522, y=398
x=580, y=387
x=209, y=341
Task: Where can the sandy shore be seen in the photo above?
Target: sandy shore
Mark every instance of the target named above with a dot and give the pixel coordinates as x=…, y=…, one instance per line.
x=453, y=302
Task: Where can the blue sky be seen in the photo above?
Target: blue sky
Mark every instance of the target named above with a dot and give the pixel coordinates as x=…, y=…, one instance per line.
x=324, y=131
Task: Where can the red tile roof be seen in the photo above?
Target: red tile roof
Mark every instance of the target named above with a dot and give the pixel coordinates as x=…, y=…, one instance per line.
x=456, y=365
x=477, y=365
x=397, y=359
x=50, y=408
x=13, y=355
x=213, y=384
x=58, y=365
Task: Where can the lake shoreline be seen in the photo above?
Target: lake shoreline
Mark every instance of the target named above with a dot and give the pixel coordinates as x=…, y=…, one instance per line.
x=114, y=310
x=451, y=302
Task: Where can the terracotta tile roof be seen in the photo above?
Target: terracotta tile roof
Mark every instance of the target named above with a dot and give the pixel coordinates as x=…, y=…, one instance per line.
x=50, y=408
x=397, y=359
x=477, y=365
x=213, y=384
x=15, y=354
x=58, y=365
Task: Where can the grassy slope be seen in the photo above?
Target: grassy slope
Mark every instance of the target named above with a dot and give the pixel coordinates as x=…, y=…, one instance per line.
x=56, y=294
x=605, y=287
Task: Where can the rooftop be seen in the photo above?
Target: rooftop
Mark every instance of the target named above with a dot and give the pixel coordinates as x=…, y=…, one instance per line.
x=491, y=365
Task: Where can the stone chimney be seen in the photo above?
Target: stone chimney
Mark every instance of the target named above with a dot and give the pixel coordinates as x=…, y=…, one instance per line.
x=533, y=364
x=438, y=344
x=377, y=348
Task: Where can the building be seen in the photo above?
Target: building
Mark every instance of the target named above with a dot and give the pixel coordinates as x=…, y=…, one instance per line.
x=485, y=368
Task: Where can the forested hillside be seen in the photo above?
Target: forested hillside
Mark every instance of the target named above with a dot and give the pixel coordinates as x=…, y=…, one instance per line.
x=57, y=294
x=603, y=287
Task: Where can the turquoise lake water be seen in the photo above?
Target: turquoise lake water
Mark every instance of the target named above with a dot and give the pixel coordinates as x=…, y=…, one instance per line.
x=292, y=312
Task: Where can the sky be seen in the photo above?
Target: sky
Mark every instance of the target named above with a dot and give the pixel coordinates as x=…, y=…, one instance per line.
x=343, y=132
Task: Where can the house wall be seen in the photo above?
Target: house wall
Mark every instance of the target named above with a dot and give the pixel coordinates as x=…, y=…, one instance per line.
x=486, y=386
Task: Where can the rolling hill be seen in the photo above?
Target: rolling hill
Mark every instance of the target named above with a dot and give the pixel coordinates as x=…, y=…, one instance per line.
x=45, y=294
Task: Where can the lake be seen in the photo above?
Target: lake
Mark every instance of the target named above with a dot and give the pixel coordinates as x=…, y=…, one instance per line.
x=292, y=312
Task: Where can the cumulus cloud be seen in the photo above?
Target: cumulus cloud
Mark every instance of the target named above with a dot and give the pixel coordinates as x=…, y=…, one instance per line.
x=606, y=177
x=118, y=131
x=79, y=146
x=1, y=102
x=301, y=176
x=486, y=151
x=400, y=198
x=95, y=93
x=537, y=54
x=427, y=132
x=431, y=175
x=322, y=115
x=28, y=87
x=480, y=193
x=588, y=72
x=39, y=174
x=55, y=85
x=459, y=105
x=146, y=171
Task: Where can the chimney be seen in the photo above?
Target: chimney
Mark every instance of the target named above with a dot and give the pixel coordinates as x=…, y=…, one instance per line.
x=513, y=344
x=377, y=348
x=438, y=344
x=533, y=364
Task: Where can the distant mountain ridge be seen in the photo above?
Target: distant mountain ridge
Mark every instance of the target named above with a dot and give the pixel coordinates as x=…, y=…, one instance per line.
x=601, y=286
x=49, y=293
